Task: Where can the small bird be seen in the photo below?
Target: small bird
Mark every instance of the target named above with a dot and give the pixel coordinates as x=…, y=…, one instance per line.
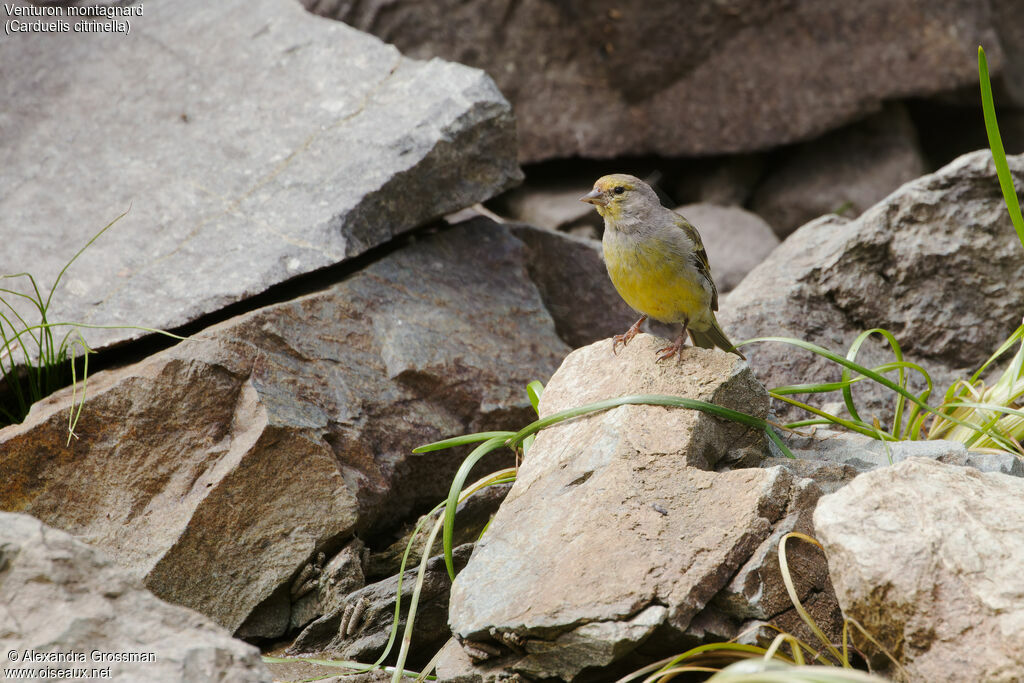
x=657, y=263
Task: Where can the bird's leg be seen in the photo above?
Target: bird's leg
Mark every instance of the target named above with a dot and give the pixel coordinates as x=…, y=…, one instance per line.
x=628, y=336
x=675, y=347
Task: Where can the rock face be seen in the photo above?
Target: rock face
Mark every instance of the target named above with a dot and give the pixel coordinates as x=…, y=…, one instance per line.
x=865, y=454
x=572, y=278
x=846, y=171
x=927, y=557
x=688, y=78
x=359, y=628
x=552, y=204
x=736, y=240
x=228, y=194
x=60, y=595
x=615, y=535
x=217, y=469
x=937, y=263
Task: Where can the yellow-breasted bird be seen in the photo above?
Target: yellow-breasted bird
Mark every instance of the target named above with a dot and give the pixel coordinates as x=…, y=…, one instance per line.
x=657, y=263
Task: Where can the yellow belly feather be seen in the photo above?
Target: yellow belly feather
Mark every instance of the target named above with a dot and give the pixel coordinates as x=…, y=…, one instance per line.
x=656, y=281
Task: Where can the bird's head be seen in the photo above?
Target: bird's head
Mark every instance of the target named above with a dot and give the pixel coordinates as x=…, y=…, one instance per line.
x=620, y=194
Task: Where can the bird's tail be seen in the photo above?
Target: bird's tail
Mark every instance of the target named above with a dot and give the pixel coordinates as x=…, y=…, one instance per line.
x=712, y=337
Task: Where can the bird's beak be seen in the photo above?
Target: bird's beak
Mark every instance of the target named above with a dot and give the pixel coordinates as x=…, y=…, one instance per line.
x=595, y=197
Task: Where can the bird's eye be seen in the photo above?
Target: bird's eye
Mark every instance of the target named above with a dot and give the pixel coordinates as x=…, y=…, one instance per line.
x=619, y=189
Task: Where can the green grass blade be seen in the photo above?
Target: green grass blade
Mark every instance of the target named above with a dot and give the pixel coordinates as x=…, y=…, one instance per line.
x=739, y=649
x=355, y=667
x=398, y=590
x=851, y=355
x=853, y=425
x=779, y=443
x=460, y=441
x=534, y=390
x=870, y=374
x=452, y=503
x=639, y=399
x=495, y=440
x=73, y=415
x=807, y=423
x=78, y=253
x=1006, y=410
x=1017, y=336
x=995, y=142
x=825, y=387
x=414, y=600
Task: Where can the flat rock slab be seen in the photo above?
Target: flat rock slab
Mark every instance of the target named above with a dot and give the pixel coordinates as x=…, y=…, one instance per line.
x=690, y=78
x=253, y=142
x=218, y=468
x=927, y=557
x=59, y=595
x=607, y=534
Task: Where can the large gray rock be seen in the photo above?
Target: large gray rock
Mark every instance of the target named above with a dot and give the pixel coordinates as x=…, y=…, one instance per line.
x=846, y=171
x=689, y=78
x=59, y=595
x=937, y=263
x=572, y=278
x=253, y=141
x=219, y=468
x=614, y=535
x=927, y=557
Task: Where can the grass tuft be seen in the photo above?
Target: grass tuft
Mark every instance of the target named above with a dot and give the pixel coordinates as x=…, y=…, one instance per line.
x=35, y=360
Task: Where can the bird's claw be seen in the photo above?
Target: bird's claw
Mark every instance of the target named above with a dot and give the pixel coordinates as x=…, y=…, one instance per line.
x=669, y=351
x=673, y=349
x=628, y=336
x=622, y=339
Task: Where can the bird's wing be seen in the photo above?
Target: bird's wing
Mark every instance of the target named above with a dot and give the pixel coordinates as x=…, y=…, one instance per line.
x=700, y=257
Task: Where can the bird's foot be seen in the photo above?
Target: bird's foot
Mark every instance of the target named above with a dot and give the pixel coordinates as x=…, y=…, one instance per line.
x=628, y=336
x=673, y=349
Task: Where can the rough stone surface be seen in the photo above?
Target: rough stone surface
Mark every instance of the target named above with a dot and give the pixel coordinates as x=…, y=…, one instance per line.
x=829, y=476
x=611, y=533
x=757, y=591
x=219, y=468
x=595, y=373
x=345, y=573
x=725, y=181
x=736, y=240
x=359, y=628
x=847, y=171
x=258, y=143
x=58, y=594
x=1011, y=37
x=572, y=278
x=321, y=673
x=321, y=586
x=607, y=79
x=833, y=458
x=472, y=516
x=864, y=453
x=455, y=666
x=937, y=263
x=927, y=557
x=549, y=204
